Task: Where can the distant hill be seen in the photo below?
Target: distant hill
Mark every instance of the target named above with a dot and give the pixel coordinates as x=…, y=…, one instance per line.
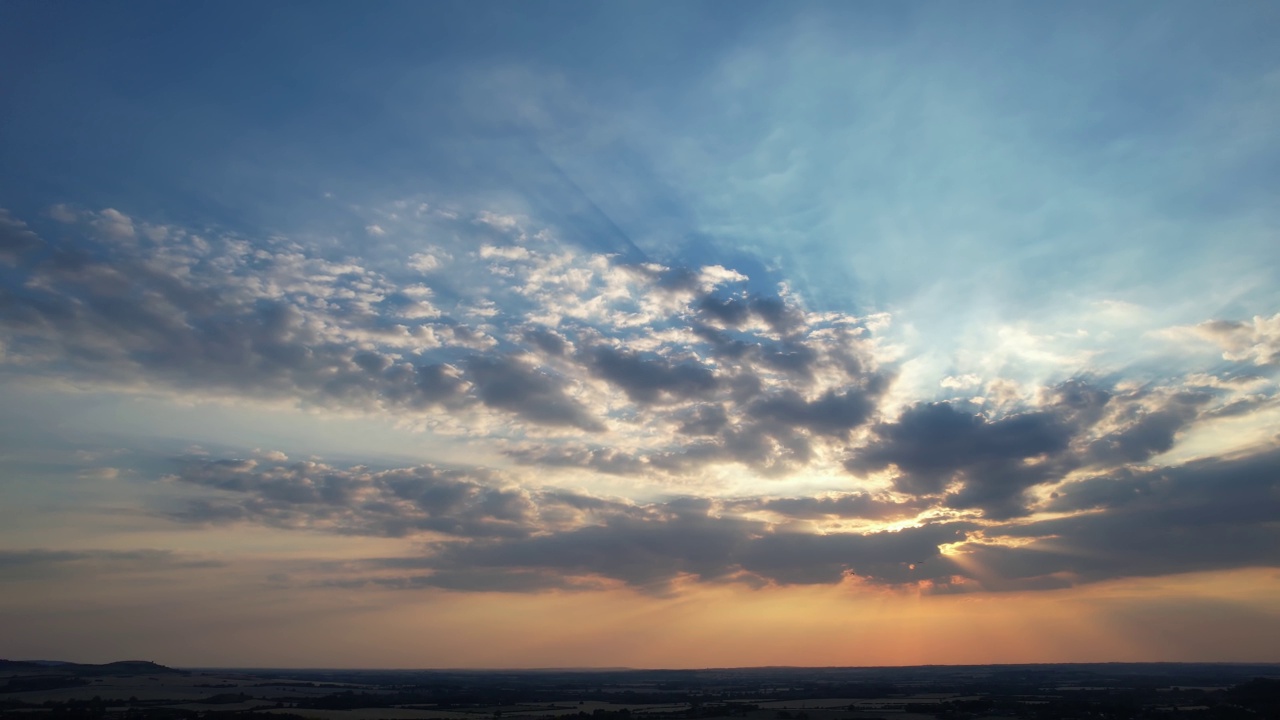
x=60, y=668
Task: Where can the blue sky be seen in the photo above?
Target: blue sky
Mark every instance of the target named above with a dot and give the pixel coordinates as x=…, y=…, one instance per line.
x=428, y=304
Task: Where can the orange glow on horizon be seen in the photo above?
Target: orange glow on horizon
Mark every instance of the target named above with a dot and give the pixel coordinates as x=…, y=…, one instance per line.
x=1186, y=618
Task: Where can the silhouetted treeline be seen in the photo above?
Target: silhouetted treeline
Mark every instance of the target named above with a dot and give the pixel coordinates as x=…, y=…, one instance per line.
x=1024, y=693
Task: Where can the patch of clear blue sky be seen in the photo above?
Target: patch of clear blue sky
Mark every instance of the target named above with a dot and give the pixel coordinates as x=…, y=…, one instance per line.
x=960, y=164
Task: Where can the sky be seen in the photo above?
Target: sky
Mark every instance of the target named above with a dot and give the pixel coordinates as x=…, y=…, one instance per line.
x=705, y=334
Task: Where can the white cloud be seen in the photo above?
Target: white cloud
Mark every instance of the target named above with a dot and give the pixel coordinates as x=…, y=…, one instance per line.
x=962, y=382
x=506, y=253
x=425, y=262
x=498, y=220
x=63, y=213
x=712, y=276
x=115, y=224
x=694, y=383
x=1256, y=341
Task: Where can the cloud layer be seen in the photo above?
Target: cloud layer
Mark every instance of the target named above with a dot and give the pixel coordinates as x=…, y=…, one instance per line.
x=772, y=441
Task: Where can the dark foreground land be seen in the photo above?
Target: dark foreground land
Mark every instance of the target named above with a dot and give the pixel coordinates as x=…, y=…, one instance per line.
x=146, y=691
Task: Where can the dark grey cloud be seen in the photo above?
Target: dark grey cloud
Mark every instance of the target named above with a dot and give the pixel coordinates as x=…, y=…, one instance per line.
x=735, y=310
x=184, y=320
x=1213, y=514
x=669, y=370
x=791, y=356
x=125, y=303
x=794, y=358
x=881, y=557
x=503, y=538
x=706, y=419
x=652, y=552
x=16, y=240
x=722, y=344
x=474, y=580
x=438, y=383
x=730, y=311
x=859, y=505
x=1206, y=515
x=833, y=413
x=1201, y=492
x=1244, y=406
x=652, y=379
x=773, y=434
x=644, y=552
x=204, y=315
x=604, y=460
x=943, y=449
x=782, y=317
x=935, y=445
x=769, y=450
x=43, y=564
x=1149, y=433
x=728, y=415
x=930, y=443
x=546, y=340
x=529, y=392
x=392, y=503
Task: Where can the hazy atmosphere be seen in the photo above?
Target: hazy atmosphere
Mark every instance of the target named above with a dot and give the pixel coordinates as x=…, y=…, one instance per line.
x=704, y=334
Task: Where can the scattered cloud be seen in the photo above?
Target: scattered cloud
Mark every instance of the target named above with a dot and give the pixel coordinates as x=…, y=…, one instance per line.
x=478, y=530
x=42, y=564
x=1216, y=513
x=1256, y=341
x=973, y=462
x=16, y=239
x=558, y=342
x=114, y=224
x=576, y=366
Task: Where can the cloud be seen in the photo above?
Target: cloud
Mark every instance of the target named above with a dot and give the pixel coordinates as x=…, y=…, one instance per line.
x=474, y=580
x=514, y=252
x=41, y=564
x=604, y=460
x=1211, y=514
x=483, y=531
x=530, y=393
x=101, y=473
x=62, y=213
x=1150, y=432
x=16, y=240
x=962, y=382
x=737, y=311
x=426, y=262
x=859, y=505
x=650, y=380
x=686, y=541
x=1256, y=341
x=478, y=530
x=529, y=338
x=973, y=462
x=359, y=501
x=771, y=433
x=115, y=224
x=933, y=445
x=596, y=371
x=831, y=413
x=880, y=557
x=267, y=322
